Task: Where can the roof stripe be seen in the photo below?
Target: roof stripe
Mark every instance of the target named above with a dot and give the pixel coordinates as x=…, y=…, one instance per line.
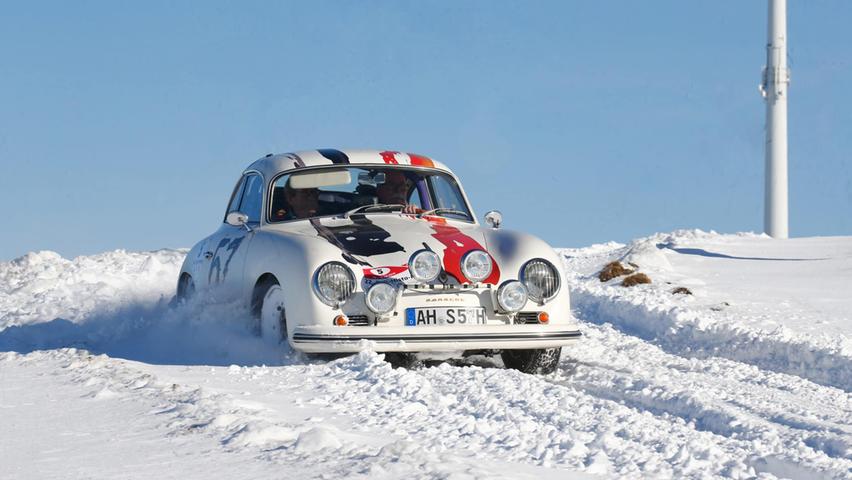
x=272, y=166
x=336, y=156
x=421, y=161
x=297, y=160
x=389, y=158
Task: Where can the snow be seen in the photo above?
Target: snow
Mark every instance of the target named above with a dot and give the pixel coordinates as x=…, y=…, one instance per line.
x=785, y=305
x=747, y=378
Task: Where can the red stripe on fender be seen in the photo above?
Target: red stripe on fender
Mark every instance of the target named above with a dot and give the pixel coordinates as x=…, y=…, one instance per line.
x=421, y=161
x=389, y=158
x=456, y=245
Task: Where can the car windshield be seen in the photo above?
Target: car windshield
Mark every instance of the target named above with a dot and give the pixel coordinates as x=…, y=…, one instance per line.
x=338, y=191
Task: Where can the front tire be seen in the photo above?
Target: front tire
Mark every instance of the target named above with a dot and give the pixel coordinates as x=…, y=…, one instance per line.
x=404, y=360
x=533, y=361
x=271, y=313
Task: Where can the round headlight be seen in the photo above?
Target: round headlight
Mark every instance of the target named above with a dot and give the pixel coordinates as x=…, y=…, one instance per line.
x=334, y=283
x=476, y=265
x=424, y=266
x=381, y=298
x=512, y=296
x=541, y=279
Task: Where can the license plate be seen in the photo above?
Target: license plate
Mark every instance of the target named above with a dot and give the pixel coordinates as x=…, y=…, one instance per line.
x=445, y=316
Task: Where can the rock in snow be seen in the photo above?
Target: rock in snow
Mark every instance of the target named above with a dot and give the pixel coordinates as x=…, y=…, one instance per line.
x=749, y=377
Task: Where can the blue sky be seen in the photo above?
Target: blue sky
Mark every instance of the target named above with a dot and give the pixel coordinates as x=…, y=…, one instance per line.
x=126, y=126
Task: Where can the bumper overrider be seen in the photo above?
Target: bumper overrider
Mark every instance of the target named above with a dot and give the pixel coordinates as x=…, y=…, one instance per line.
x=414, y=339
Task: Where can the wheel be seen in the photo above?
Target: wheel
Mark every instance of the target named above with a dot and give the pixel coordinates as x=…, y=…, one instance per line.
x=272, y=317
x=404, y=360
x=543, y=360
x=186, y=288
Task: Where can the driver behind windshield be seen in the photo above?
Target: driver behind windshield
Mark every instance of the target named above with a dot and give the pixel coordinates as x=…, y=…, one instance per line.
x=303, y=202
x=395, y=191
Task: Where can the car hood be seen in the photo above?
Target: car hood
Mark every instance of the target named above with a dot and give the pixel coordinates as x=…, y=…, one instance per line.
x=382, y=243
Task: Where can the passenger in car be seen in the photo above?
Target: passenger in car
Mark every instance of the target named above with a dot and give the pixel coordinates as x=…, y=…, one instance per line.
x=395, y=191
x=303, y=203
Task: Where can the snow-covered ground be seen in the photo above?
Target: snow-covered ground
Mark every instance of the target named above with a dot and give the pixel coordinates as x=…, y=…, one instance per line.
x=784, y=306
x=749, y=377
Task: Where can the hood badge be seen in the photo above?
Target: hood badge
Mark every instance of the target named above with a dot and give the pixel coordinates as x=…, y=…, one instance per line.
x=446, y=299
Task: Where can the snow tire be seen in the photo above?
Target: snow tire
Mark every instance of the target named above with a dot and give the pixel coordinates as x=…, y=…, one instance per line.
x=533, y=361
x=269, y=290
x=404, y=360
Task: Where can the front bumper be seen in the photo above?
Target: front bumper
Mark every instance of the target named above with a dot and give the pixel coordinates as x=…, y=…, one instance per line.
x=431, y=339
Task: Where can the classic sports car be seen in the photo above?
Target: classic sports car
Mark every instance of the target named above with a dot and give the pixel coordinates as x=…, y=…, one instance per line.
x=332, y=248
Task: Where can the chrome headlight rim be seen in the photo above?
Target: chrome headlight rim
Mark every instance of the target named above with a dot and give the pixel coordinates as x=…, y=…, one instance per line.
x=533, y=297
x=315, y=283
x=412, y=271
x=463, y=265
x=373, y=288
x=502, y=288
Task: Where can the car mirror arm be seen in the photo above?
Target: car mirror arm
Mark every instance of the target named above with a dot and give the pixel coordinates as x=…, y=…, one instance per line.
x=494, y=218
x=238, y=219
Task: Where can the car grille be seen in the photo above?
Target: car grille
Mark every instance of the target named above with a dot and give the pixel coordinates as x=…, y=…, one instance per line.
x=527, y=318
x=359, y=320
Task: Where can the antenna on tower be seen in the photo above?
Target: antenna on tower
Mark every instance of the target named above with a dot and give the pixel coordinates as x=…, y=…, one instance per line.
x=776, y=78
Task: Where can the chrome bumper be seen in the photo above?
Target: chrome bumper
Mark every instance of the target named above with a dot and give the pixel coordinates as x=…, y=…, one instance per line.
x=416, y=339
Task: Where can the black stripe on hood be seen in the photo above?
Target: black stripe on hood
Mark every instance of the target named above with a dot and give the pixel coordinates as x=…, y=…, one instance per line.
x=361, y=238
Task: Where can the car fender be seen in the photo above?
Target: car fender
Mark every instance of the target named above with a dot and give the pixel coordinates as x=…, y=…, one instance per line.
x=293, y=259
x=193, y=262
x=512, y=250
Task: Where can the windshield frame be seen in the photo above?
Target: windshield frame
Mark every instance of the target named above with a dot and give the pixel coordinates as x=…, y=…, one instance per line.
x=267, y=206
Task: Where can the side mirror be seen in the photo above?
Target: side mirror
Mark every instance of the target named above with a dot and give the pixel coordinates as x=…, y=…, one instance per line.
x=494, y=218
x=237, y=219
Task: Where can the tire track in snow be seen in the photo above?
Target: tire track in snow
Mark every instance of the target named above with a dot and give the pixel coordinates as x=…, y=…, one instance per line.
x=578, y=423
x=429, y=415
x=682, y=332
x=793, y=420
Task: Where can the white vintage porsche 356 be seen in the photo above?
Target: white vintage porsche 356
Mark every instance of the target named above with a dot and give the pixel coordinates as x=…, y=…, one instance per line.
x=332, y=248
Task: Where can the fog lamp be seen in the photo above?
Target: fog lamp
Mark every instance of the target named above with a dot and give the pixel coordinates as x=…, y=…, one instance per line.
x=381, y=298
x=512, y=296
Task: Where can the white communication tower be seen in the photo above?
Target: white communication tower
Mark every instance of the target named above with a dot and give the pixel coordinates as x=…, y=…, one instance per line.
x=776, y=79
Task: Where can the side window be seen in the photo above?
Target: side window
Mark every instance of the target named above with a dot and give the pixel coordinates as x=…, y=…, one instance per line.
x=414, y=198
x=236, y=196
x=252, y=197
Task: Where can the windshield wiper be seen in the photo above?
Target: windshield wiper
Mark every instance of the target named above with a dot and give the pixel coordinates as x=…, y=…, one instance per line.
x=373, y=206
x=443, y=210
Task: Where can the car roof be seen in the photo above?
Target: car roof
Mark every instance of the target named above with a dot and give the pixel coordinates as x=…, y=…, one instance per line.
x=272, y=165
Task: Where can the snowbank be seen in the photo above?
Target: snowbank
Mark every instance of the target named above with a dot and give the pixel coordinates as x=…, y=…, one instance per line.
x=783, y=305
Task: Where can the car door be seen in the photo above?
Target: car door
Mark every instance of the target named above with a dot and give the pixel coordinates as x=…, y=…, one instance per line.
x=226, y=249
